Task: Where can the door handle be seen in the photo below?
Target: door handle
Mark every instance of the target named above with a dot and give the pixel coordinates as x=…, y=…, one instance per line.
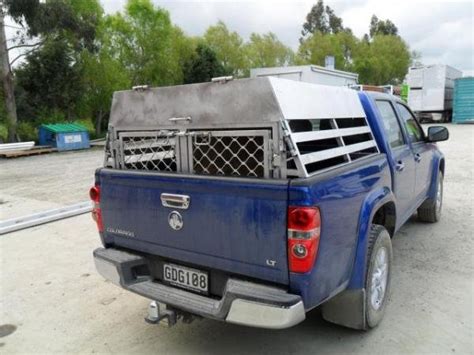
x=175, y=201
x=417, y=157
x=399, y=166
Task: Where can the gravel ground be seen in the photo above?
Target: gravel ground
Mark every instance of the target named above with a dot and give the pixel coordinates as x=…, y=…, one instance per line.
x=35, y=183
x=52, y=300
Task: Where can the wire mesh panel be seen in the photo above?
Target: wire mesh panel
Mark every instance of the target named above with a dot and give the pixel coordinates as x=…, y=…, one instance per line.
x=153, y=151
x=230, y=153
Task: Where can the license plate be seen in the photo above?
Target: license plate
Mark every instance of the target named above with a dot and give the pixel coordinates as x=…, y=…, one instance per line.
x=185, y=277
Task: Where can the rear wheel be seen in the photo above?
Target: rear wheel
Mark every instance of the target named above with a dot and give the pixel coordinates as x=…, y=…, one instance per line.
x=430, y=210
x=377, y=280
x=364, y=308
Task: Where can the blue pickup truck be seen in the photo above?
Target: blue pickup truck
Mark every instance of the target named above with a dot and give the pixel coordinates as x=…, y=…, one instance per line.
x=254, y=201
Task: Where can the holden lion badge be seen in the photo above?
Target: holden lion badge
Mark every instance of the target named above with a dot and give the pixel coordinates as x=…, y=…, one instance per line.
x=175, y=220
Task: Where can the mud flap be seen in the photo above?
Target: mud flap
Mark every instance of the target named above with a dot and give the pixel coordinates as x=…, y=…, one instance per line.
x=346, y=309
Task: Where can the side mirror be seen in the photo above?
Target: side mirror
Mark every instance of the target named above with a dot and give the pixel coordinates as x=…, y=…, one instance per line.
x=437, y=134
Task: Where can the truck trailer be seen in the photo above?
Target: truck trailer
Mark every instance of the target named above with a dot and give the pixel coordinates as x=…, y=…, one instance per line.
x=431, y=91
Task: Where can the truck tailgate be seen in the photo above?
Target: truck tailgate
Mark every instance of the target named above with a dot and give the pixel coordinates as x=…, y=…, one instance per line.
x=234, y=225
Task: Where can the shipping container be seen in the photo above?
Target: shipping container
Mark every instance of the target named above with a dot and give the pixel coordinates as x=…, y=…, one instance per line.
x=309, y=74
x=431, y=90
x=463, y=103
x=64, y=136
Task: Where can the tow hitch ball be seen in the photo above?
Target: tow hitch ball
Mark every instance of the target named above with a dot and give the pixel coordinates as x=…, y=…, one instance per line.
x=167, y=316
x=157, y=315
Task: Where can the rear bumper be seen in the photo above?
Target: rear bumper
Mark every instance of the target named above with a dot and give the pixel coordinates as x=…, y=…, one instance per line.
x=243, y=302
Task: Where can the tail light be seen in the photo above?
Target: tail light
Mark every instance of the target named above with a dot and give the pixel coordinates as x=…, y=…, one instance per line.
x=304, y=228
x=94, y=194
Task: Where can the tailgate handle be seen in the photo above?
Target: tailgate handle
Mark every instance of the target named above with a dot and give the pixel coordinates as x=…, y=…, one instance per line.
x=175, y=201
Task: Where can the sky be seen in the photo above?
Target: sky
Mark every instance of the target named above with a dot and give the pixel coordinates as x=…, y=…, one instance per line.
x=442, y=31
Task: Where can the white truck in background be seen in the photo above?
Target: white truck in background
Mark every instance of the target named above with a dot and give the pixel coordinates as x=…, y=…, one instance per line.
x=431, y=91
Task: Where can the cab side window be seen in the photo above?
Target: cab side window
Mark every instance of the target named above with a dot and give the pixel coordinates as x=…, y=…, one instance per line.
x=414, y=130
x=390, y=123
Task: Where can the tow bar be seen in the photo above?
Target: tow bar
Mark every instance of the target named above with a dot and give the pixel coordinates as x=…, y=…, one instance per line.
x=168, y=316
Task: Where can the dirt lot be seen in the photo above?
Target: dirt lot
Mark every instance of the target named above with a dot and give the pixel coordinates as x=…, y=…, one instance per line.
x=52, y=300
x=32, y=184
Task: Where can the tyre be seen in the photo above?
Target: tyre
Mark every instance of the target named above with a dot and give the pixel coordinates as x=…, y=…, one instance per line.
x=378, y=275
x=430, y=210
x=364, y=308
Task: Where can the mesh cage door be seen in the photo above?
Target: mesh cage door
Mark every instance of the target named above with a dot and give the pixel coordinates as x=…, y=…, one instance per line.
x=243, y=153
x=149, y=151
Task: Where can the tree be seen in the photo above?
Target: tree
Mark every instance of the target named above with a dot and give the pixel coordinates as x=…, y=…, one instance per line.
x=315, y=20
x=184, y=51
x=267, y=51
x=142, y=41
x=41, y=18
x=321, y=19
x=334, y=22
x=6, y=76
x=384, y=60
x=51, y=80
x=102, y=76
x=228, y=47
x=315, y=48
x=381, y=27
x=203, y=66
x=42, y=22
x=138, y=47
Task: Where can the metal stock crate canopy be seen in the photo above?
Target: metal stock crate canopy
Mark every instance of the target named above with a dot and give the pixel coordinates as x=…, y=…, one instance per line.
x=64, y=136
x=260, y=128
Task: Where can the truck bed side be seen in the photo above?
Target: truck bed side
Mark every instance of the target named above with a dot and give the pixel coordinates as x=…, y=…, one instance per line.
x=341, y=195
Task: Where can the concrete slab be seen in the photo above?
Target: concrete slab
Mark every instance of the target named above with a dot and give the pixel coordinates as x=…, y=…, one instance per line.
x=33, y=184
